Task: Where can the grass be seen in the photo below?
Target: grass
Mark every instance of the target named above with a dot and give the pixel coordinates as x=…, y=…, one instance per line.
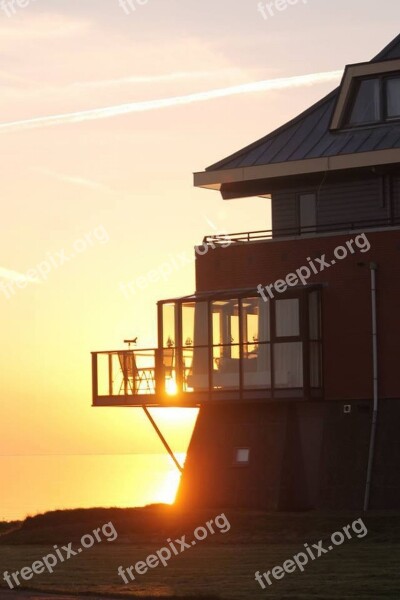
x=223, y=566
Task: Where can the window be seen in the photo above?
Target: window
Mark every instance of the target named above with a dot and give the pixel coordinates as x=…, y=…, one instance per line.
x=288, y=365
x=314, y=324
x=288, y=354
x=287, y=317
x=308, y=212
x=242, y=456
x=366, y=107
x=375, y=100
x=242, y=347
x=256, y=337
x=226, y=347
x=393, y=98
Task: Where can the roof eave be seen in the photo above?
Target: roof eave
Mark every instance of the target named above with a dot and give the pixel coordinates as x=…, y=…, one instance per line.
x=216, y=179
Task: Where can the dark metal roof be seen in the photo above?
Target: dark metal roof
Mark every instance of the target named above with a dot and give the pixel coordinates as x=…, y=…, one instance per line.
x=232, y=294
x=308, y=136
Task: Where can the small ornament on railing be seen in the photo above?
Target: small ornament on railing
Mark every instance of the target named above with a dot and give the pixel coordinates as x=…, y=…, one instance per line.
x=170, y=343
x=129, y=342
x=189, y=341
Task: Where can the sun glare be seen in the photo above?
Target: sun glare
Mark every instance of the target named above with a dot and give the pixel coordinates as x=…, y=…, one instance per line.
x=169, y=486
x=170, y=387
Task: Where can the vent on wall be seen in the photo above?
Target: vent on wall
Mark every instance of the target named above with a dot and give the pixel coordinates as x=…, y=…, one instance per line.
x=242, y=456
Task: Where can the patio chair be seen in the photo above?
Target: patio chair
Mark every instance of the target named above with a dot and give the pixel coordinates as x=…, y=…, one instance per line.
x=134, y=379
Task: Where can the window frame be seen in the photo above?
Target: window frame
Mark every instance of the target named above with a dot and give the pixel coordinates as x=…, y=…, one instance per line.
x=307, y=229
x=387, y=118
x=383, y=101
x=240, y=390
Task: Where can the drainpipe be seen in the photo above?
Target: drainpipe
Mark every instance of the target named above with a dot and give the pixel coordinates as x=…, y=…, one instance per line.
x=373, y=267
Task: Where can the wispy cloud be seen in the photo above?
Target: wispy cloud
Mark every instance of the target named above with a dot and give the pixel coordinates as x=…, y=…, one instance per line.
x=136, y=79
x=75, y=180
x=41, y=27
x=10, y=275
x=148, y=105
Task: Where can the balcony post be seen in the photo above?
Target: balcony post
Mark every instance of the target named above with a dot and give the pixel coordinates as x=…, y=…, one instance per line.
x=110, y=375
x=158, y=371
x=95, y=390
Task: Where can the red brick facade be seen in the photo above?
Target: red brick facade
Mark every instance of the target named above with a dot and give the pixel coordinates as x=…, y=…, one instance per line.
x=346, y=301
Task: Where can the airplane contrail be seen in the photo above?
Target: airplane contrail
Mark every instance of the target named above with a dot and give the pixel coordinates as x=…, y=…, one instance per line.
x=15, y=276
x=77, y=86
x=147, y=105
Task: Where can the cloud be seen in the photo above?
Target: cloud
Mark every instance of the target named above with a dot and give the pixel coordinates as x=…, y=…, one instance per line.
x=10, y=275
x=41, y=27
x=75, y=180
x=135, y=79
x=148, y=105
x=77, y=87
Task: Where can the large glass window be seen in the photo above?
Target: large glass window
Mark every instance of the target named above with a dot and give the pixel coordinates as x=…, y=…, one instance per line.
x=226, y=348
x=287, y=317
x=288, y=365
x=242, y=345
x=256, y=336
x=169, y=325
x=288, y=355
x=195, y=350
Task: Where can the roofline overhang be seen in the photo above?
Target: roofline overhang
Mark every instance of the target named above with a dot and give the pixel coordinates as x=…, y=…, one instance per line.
x=215, y=180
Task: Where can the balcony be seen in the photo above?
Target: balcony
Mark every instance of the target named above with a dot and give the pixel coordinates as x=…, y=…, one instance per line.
x=297, y=231
x=220, y=347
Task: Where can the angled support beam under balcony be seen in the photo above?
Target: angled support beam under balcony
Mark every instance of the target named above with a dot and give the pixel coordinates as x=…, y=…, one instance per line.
x=162, y=438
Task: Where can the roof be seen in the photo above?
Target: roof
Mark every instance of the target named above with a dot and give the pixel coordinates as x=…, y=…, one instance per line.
x=231, y=294
x=308, y=135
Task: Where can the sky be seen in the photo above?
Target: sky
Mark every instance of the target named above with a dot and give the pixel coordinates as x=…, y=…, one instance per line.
x=105, y=113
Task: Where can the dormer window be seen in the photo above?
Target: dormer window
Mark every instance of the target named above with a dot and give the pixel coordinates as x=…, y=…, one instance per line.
x=369, y=95
x=374, y=100
x=366, y=103
x=393, y=97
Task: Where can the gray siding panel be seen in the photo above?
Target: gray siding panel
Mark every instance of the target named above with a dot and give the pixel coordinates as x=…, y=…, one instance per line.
x=346, y=201
x=284, y=211
x=360, y=200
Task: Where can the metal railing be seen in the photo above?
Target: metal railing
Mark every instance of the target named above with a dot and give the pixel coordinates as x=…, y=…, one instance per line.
x=269, y=234
x=124, y=372
x=148, y=375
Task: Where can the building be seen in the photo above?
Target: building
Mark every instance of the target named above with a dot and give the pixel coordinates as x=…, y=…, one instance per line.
x=290, y=343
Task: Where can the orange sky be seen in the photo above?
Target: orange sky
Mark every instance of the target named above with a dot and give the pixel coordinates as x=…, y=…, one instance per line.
x=130, y=177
